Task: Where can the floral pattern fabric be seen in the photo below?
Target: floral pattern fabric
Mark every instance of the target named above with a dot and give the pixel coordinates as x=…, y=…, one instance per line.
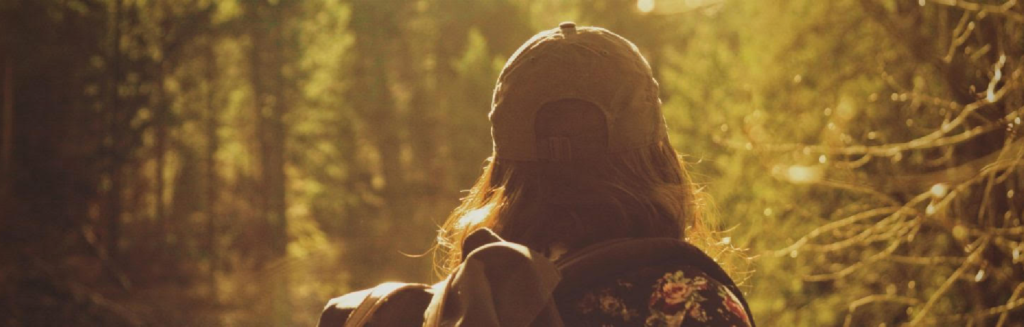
x=671, y=295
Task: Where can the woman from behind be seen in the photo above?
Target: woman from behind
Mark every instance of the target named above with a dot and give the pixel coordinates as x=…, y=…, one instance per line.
x=581, y=157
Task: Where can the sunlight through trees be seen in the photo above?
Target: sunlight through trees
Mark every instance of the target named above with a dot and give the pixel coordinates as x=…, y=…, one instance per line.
x=239, y=162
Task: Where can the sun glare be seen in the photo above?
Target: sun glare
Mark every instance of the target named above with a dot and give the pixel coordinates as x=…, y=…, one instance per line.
x=645, y=5
x=803, y=174
x=475, y=217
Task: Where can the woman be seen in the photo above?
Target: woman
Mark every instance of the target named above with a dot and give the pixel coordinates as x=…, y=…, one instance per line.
x=581, y=156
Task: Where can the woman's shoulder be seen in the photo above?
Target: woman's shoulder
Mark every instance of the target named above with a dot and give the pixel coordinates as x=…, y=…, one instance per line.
x=663, y=295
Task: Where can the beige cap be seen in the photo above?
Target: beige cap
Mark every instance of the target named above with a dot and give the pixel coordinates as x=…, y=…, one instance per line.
x=590, y=64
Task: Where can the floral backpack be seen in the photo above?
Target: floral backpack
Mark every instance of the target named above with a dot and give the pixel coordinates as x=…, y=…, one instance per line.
x=502, y=283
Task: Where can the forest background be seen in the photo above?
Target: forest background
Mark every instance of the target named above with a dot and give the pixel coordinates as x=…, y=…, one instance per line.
x=239, y=162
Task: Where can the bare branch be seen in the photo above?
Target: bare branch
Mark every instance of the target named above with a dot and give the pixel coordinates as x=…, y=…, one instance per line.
x=860, y=189
x=1013, y=299
x=869, y=235
x=960, y=36
x=938, y=138
x=877, y=298
x=852, y=268
x=926, y=261
x=835, y=225
x=1002, y=310
x=934, y=140
x=1002, y=10
x=949, y=282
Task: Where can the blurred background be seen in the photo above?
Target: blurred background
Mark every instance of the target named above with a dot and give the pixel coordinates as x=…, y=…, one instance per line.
x=240, y=162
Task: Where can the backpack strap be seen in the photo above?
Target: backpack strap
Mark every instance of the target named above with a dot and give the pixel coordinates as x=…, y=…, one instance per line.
x=499, y=283
x=618, y=256
x=357, y=309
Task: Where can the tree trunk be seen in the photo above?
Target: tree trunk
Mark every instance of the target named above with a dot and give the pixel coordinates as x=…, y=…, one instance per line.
x=267, y=62
x=113, y=228
x=375, y=103
x=267, y=59
x=160, y=124
x=213, y=143
x=7, y=138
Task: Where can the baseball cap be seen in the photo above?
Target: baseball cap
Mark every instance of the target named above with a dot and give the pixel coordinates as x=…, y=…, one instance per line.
x=575, y=67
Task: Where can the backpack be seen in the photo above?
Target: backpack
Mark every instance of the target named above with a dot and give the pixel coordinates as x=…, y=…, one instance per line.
x=501, y=283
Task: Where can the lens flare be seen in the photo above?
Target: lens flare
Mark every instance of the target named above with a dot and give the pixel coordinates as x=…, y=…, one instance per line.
x=645, y=5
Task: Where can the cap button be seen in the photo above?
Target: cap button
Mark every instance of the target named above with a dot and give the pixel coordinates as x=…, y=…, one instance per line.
x=568, y=28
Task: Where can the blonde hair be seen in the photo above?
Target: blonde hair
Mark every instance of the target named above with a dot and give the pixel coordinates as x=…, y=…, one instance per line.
x=640, y=193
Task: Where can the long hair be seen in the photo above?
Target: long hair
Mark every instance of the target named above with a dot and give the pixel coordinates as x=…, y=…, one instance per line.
x=645, y=192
